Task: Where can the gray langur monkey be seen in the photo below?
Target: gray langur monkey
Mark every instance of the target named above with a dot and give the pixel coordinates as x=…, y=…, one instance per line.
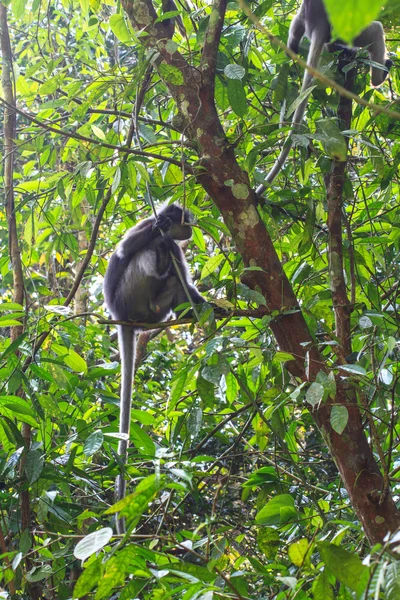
x=312, y=21
x=142, y=284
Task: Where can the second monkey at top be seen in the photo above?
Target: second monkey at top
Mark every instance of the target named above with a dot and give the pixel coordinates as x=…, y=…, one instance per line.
x=312, y=21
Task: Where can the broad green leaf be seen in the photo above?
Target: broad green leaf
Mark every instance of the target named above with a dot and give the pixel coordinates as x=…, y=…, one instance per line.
x=332, y=139
x=235, y=71
x=268, y=541
x=280, y=509
x=211, y=265
x=315, y=393
x=392, y=581
x=323, y=589
x=93, y=542
x=232, y=387
x=345, y=566
x=142, y=440
x=93, y=443
x=113, y=577
x=133, y=505
x=88, y=579
x=11, y=306
x=18, y=7
x=34, y=465
x=71, y=358
x=237, y=97
x=98, y=132
x=177, y=388
x=197, y=571
x=339, y=418
x=350, y=17
x=15, y=407
x=299, y=552
x=119, y=28
x=9, y=322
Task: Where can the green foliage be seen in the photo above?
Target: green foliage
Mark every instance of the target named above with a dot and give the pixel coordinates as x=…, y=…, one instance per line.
x=232, y=492
x=350, y=17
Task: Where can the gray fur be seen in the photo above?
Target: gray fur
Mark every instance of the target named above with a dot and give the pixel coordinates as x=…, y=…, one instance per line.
x=142, y=285
x=312, y=21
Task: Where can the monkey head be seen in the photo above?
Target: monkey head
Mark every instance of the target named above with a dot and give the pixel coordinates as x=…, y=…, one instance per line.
x=178, y=216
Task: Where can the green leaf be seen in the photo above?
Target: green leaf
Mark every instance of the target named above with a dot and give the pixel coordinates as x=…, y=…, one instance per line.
x=235, y=71
x=177, y=388
x=339, y=418
x=88, y=579
x=280, y=509
x=211, y=265
x=315, y=393
x=98, y=132
x=119, y=28
x=34, y=465
x=237, y=97
x=71, y=358
x=268, y=541
x=323, y=589
x=392, y=581
x=299, y=552
x=93, y=443
x=18, y=7
x=133, y=506
x=344, y=565
x=15, y=407
x=92, y=543
x=350, y=17
x=354, y=369
x=196, y=571
x=10, y=322
x=11, y=306
x=332, y=139
x=142, y=440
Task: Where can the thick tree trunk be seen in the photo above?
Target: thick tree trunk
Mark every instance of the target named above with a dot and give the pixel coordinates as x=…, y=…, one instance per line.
x=229, y=187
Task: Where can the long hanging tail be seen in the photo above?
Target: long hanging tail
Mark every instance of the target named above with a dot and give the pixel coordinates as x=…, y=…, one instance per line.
x=314, y=54
x=127, y=348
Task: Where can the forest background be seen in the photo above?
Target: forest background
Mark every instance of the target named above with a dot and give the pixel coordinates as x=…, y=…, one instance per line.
x=264, y=459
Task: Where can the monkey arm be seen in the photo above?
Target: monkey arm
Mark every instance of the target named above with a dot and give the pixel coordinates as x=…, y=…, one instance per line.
x=137, y=238
x=296, y=32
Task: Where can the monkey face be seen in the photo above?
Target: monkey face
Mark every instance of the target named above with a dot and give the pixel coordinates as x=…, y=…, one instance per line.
x=178, y=231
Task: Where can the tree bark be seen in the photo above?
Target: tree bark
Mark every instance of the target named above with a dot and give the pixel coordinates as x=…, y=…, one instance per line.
x=341, y=304
x=10, y=128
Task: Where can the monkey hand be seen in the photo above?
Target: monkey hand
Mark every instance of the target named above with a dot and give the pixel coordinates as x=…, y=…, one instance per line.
x=162, y=222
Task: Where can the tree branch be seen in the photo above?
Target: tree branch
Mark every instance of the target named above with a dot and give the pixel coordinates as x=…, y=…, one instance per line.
x=208, y=62
x=83, y=138
x=336, y=180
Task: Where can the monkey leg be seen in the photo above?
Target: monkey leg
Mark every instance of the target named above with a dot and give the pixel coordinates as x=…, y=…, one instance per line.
x=172, y=295
x=373, y=37
x=163, y=302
